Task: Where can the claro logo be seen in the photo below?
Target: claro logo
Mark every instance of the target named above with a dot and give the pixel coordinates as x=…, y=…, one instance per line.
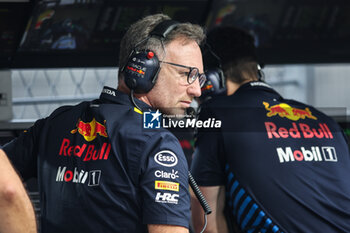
x=166, y=158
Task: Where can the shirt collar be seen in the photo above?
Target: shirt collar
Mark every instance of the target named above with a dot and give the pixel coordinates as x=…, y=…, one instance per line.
x=115, y=96
x=256, y=85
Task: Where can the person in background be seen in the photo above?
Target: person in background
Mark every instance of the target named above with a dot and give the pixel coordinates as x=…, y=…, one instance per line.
x=105, y=165
x=16, y=210
x=275, y=165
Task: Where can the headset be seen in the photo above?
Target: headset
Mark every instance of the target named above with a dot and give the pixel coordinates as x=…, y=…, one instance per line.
x=142, y=67
x=215, y=83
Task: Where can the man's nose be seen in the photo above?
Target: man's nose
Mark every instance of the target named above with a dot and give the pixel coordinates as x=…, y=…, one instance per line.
x=194, y=89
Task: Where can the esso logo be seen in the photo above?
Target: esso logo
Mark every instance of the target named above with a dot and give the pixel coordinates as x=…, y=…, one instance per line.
x=166, y=158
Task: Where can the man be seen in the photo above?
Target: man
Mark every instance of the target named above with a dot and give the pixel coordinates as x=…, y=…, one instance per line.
x=276, y=165
x=99, y=170
x=16, y=210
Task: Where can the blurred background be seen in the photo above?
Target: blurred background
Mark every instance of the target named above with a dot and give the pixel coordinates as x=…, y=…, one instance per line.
x=58, y=52
x=55, y=52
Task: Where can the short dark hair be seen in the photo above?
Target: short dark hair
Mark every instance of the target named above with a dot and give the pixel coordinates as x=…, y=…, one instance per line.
x=142, y=28
x=237, y=52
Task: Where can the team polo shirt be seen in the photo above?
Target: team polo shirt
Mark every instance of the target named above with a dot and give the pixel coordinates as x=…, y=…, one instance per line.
x=100, y=171
x=285, y=166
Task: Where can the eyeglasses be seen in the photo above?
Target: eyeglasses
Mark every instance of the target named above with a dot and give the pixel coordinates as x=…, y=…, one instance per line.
x=192, y=75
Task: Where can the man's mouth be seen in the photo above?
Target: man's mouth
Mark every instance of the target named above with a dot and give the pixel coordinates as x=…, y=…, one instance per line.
x=185, y=103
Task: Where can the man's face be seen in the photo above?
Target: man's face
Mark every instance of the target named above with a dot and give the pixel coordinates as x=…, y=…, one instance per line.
x=172, y=94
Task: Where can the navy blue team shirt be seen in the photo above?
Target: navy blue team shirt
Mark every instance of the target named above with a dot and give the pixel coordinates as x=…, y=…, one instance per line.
x=99, y=171
x=285, y=165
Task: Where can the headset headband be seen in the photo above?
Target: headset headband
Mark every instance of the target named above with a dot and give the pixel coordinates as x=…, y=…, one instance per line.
x=164, y=28
x=142, y=67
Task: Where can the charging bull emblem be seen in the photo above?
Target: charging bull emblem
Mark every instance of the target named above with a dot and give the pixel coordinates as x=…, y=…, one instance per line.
x=285, y=110
x=90, y=129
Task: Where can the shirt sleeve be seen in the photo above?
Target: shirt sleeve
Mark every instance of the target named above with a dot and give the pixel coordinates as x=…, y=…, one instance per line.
x=164, y=183
x=207, y=165
x=23, y=150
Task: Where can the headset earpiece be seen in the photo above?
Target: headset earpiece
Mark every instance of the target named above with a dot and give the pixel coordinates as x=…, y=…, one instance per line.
x=141, y=70
x=142, y=67
x=215, y=83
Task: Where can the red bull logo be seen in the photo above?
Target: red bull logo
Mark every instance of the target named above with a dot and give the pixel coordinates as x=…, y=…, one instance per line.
x=287, y=111
x=298, y=130
x=207, y=87
x=85, y=151
x=136, y=70
x=90, y=129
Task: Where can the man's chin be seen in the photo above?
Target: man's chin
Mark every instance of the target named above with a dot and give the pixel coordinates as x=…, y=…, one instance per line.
x=174, y=112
